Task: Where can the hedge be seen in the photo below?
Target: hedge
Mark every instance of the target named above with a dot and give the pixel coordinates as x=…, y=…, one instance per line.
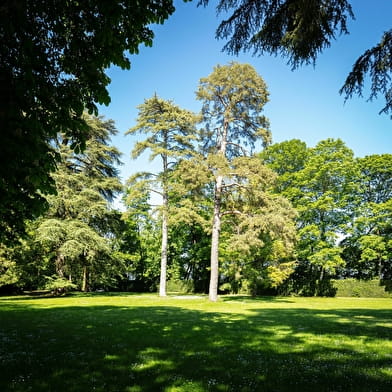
x=361, y=288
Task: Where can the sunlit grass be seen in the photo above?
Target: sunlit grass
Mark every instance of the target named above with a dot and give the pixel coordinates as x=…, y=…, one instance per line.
x=132, y=343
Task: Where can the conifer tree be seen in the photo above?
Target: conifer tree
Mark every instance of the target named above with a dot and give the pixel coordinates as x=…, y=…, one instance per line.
x=233, y=99
x=300, y=31
x=77, y=225
x=170, y=132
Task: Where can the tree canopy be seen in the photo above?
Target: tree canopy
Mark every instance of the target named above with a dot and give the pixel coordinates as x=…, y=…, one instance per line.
x=299, y=31
x=72, y=244
x=52, y=67
x=233, y=99
x=170, y=131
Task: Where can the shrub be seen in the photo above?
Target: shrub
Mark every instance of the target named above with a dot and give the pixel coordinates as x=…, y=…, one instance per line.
x=360, y=288
x=179, y=286
x=59, y=285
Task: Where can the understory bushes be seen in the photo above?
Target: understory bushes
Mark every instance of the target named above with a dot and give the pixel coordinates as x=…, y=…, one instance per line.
x=362, y=288
x=329, y=288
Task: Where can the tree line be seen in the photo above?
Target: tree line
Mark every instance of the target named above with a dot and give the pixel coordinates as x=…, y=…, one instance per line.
x=235, y=212
x=54, y=57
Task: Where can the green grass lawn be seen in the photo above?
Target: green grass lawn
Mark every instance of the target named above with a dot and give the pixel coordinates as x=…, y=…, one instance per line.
x=131, y=343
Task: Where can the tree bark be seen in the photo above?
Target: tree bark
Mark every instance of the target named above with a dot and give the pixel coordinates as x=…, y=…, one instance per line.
x=165, y=206
x=84, y=283
x=162, y=283
x=380, y=274
x=216, y=225
x=60, y=265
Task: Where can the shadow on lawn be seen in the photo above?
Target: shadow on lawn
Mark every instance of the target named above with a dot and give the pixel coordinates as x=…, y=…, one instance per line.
x=45, y=294
x=248, y=298
x=171, y=349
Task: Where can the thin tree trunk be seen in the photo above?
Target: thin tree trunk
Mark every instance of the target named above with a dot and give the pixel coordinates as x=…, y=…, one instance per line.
x=84, y=283
x=162, y=284
x=319, y=287
x=216, y=225
x=380, y=269
x=165, y=206
x=322, y=274
x=60, y=265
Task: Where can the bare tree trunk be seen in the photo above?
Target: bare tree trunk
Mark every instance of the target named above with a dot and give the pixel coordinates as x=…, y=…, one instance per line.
x=85, y=274
x=322, y=274
x=60, y=265
x=216, y=225
x=165, y=206
x=380, y=275
x=162, y=283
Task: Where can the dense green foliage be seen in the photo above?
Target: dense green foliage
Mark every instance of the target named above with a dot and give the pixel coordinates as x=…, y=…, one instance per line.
x=344, y=216
x=133, y=343
x=52, y=67
x=351, y=287
x=286, y=220
x=243, y=216
x=170, y=132
x=72, y=242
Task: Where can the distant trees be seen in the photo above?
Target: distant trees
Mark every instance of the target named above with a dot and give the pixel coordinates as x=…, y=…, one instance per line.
x=368, y=248
x=79, y=220
x=287, y=219
x=342, y=217
x=217, y=180
x=341, y=202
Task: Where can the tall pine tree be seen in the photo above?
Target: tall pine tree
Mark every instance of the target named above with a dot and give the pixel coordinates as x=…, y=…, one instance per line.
x=170, y=132
x=233, y=99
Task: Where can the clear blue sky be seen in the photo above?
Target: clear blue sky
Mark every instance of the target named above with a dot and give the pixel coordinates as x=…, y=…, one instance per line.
x=304, y=104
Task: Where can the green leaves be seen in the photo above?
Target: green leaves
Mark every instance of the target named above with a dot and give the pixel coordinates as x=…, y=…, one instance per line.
x=170, y=129
x=374, y=64
x=298, y=30
x=301, y=30
x=76, y=230
x=170, y=134
x=233, y=98
x=344, y=208
x=53, y=61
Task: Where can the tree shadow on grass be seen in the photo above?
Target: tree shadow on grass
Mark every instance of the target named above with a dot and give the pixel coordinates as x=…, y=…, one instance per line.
x=171, y=349
x=45, y=294
x=249, y=298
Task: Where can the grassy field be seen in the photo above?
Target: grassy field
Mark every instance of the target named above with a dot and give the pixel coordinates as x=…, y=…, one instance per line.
x=131, y=343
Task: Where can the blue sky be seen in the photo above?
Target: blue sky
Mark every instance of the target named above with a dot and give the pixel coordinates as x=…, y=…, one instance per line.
x=304, y=104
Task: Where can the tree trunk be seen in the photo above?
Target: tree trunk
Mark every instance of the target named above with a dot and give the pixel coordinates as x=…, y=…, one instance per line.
x=60, y=265
x=322, y=274
x=165, y=206
x=85, y=275
x=216, y=225
x=319, y=287
x=162, y=283
x=380, y=269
